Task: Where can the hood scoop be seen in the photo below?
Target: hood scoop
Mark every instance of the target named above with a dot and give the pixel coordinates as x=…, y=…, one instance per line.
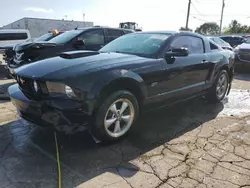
x=77, y=54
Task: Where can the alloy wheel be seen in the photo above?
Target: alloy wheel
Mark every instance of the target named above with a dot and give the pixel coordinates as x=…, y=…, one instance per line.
x=119, y=117
x=221, y=87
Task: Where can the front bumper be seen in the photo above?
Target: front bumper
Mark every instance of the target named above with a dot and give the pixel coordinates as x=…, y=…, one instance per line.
x=63, y=114
x=241, y=64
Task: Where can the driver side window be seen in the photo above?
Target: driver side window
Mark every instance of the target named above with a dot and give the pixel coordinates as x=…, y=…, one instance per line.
x=194, y=44
x=95, y=37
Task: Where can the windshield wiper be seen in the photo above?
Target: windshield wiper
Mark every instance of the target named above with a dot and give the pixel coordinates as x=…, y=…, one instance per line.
x=119, y=52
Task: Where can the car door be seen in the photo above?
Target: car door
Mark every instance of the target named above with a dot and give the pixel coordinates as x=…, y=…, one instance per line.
x=93, y=39
x=112, y=34
x=185, y=76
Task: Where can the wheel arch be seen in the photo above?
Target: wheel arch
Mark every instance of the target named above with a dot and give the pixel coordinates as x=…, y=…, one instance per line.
x=125, y=80
x=230, y=71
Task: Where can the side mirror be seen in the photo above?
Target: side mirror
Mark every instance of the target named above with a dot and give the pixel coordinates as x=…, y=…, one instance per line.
x=177, y=52
x=79, y=43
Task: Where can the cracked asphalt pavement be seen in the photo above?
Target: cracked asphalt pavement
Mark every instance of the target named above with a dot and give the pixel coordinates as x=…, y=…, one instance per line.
x=192, y=144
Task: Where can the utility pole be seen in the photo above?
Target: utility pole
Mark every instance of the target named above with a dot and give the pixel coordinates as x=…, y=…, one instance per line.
x=188, y=12
x=222, y=11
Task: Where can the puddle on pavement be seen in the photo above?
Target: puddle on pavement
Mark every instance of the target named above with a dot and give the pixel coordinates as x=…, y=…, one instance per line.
x=236, y=104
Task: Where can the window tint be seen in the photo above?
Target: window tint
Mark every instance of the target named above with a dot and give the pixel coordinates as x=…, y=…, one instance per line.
x=113, y=34
x=218, y=41
x=194, y=44
x=65, y=37
x=227, y=39
x=44, y=37
x=127, y=31
x=94, y=37
x=213, y=46
x=144, y=44
x=13, y=36
x=236, y=39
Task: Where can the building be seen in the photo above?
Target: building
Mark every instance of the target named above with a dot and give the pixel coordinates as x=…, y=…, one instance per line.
x=39, y=26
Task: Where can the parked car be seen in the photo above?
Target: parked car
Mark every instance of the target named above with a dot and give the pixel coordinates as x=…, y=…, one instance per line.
x=12, y=37
x=9, y=52
x=221, y=43
x=233, y=40
x=105, y=90
x=92, y=38
x=242, y=54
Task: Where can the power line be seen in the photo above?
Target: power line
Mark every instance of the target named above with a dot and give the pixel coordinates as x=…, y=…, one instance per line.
x=206, y=15
x=196, y=9
x=200, y=19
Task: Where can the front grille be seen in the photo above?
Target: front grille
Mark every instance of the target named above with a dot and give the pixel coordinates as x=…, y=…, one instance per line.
x=27, y=87
x=244, y=54
x=242, y=50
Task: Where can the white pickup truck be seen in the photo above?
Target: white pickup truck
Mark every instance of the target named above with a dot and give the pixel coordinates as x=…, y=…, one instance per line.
x=11, y=37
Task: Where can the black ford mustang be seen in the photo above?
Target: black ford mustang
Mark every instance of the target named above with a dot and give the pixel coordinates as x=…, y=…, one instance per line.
x=105, y=90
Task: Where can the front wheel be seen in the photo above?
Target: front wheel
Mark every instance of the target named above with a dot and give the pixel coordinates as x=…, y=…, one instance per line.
x=115, y=116
x=219, y=89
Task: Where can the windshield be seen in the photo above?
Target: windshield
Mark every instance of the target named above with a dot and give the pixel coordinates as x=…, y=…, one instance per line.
x=144, y=44
x=65, y=37
x=247, y=40
x=44, y=37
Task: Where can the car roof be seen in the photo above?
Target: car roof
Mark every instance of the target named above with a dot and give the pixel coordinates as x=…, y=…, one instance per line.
x=231, y=36
x=174, y=33
x=121, y=29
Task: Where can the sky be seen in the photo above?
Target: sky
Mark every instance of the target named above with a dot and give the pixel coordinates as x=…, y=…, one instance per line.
x=149, y=14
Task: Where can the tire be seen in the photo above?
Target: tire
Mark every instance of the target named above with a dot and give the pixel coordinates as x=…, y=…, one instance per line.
x=106, y=121
x=215, y=96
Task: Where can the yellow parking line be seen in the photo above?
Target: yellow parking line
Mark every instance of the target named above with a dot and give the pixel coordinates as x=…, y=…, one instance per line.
x=58, y=163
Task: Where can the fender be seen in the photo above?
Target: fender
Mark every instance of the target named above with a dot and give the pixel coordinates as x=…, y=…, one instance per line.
x=113, y=75
x=106, y=78
x=223, y=64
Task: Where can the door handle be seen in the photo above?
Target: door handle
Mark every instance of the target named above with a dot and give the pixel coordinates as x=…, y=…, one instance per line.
x=204, y=61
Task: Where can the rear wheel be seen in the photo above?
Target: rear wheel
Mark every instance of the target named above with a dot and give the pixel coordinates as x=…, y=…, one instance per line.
x=220, y=87
x=115, y=116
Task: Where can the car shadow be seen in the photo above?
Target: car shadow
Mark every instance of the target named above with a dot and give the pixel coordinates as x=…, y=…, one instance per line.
x=82, y=159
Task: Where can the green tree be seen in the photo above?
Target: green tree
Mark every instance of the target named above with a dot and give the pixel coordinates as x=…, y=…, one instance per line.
x=184, y=29
x=236, y=27
x=208, y=28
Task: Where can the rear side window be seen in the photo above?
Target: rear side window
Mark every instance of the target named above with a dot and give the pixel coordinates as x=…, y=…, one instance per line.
x=13, y=36
x=113, y=33
x=227, y=39
x=213, y=46
x=127, y=31
x=236, y=39
x=194, y=44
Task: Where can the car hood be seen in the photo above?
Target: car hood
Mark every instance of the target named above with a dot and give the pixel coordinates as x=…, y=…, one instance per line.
x=244, y=46
x=26, y=45
x=62, y=67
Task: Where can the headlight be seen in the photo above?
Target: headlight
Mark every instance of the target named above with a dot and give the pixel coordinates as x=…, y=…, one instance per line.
x=236, y=50
x=59, y=89
x=69, y=92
